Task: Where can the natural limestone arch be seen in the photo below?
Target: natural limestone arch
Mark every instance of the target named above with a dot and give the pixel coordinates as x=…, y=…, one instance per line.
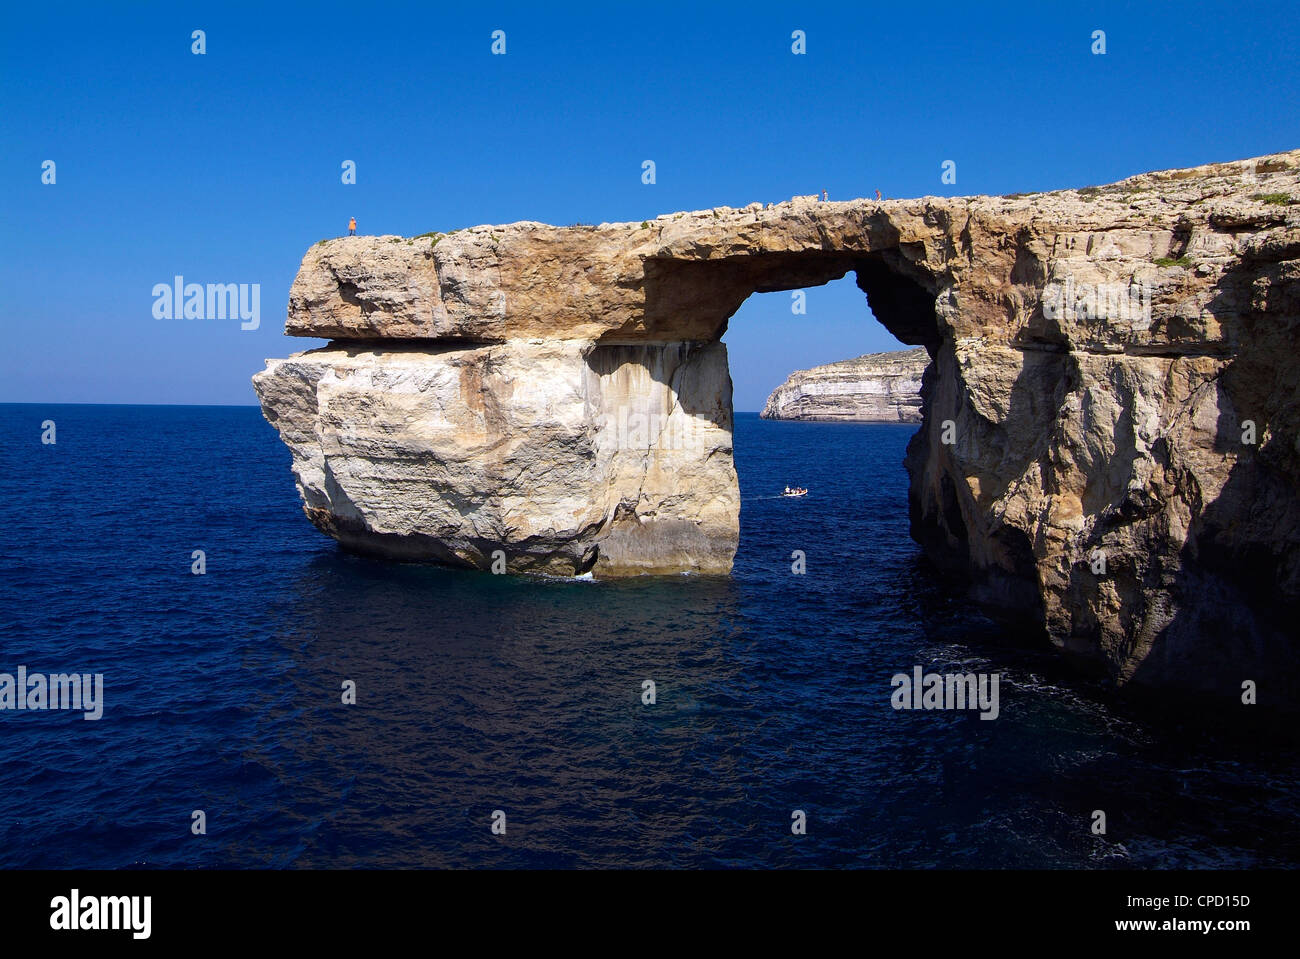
x=560, y=395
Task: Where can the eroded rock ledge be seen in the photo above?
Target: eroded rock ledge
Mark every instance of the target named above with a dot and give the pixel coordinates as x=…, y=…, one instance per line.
x=875, y=388
x=1113, y=374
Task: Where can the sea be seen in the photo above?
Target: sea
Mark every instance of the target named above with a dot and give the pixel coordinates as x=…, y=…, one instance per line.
x=505, y=721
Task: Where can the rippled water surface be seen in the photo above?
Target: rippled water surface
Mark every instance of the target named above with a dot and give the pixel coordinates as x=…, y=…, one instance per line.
x=478, y=693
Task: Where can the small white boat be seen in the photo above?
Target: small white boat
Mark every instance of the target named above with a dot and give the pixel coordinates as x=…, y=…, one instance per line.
x=795, y=492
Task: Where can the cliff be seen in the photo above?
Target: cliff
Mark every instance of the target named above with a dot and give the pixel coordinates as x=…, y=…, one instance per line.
x=1108, y=453
x=876, y=388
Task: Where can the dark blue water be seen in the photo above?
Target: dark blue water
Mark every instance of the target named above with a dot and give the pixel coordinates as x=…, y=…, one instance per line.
x=478, y=693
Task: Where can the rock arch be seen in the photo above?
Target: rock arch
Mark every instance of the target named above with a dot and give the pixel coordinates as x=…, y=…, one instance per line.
x=561, y=394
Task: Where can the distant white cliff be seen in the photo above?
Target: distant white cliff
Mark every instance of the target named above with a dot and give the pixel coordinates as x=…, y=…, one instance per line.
x=876, y=388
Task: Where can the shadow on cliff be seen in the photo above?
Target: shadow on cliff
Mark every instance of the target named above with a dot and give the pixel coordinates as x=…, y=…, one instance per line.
x=1206, y=590
x=1236, y=582
x=990, y=561
x=696, y=377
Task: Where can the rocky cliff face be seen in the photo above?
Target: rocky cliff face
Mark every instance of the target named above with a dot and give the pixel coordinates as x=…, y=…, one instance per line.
x=876, y=388
x=567, y=459
x=1109, y=451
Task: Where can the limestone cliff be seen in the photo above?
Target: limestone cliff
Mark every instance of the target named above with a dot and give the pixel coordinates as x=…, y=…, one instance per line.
x=569, y=459
x=1108, y=451
x=876, y=388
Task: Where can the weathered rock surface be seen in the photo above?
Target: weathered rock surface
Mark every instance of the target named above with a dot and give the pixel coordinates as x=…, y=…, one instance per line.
x=566, y=458
x=1113, y=375
x=875, y=388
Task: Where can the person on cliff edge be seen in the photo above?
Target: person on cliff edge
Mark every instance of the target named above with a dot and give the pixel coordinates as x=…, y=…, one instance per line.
x=352, y=226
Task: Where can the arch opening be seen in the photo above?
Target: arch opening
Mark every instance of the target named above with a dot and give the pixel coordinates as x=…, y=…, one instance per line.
x=859, y=500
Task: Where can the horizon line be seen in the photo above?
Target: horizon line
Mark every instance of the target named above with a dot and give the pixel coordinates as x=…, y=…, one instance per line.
x=230, y=406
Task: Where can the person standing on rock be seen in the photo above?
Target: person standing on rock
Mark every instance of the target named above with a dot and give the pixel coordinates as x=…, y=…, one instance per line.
x=877, y=196
x=824, y=196
x=352, y=226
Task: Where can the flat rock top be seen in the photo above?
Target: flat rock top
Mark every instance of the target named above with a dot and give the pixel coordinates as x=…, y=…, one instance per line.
x=637, y=280
x=1244, y=186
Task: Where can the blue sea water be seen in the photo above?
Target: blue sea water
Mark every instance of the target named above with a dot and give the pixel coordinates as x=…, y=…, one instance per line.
x=478, y=693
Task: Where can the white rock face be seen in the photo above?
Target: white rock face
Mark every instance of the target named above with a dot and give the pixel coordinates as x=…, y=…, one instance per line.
x=876, y=388
x=567, y=458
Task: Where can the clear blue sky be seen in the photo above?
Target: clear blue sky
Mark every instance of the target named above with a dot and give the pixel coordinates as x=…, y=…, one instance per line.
x=226, y=167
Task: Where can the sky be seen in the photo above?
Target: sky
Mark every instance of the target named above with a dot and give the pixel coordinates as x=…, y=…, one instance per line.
x=225, y=167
